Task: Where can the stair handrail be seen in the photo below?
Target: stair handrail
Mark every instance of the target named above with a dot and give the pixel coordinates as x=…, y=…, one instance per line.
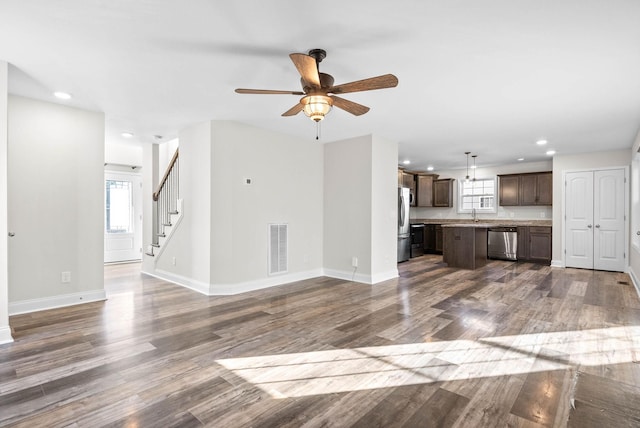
x=156, y=194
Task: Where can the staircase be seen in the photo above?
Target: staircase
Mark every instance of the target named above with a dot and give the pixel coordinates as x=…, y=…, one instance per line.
x=167, y=207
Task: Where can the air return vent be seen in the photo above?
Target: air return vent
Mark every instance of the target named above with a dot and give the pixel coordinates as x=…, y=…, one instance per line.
x=278, y=248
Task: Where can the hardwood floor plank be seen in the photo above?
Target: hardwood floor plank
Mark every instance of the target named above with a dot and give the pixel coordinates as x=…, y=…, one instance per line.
x=509, y=344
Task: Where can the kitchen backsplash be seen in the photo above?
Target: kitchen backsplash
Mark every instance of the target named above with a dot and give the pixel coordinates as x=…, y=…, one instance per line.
x=517, y=213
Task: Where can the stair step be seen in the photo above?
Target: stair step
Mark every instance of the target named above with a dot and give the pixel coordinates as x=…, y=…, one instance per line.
x=167, y=224
x=174, y=212
x=150, y=254
x=161, y=235
x=155, y=245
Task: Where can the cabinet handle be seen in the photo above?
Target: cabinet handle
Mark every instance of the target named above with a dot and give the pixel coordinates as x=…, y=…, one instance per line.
x=589, y=226
x=597, y=225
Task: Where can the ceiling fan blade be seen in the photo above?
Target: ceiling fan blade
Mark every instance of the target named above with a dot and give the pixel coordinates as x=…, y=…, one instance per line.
x=267, y=91
x=293, y=110
x=346, y=105
x=380, y=82
x=307, y=68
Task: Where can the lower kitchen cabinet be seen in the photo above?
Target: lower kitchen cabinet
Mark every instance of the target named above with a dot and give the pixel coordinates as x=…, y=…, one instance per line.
x=433, y=239
x=534, y=244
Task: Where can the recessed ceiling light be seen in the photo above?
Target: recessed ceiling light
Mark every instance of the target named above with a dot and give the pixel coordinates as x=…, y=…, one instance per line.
x=62, y=95
x=473, y=167
x=127, y=134
x=429, y=168
x=541, y=142
x=551, y=152
x=520, y=159
x=406, y=162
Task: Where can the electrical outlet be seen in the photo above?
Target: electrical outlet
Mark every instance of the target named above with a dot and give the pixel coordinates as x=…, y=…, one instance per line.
x=173, y=261
x=543, y=214
x=65, y=277
x=354, y=261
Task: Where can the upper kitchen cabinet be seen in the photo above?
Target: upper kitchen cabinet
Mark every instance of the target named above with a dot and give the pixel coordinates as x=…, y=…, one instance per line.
x=443, y=192
x=407, y=179
x=534, y=188
x=425, y=190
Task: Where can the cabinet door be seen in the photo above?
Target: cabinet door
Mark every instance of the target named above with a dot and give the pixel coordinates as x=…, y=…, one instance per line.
x=429, y=238
x=545, y=189
x=439, y=238
x=523, y=243
x=400, y=178
x=529, y=189
x=509, y=188
x=425, y=191
x=443, y=193
x=408, y=180
x=540, y=244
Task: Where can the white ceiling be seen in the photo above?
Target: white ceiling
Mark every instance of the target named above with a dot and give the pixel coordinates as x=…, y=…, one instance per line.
x=490, y=77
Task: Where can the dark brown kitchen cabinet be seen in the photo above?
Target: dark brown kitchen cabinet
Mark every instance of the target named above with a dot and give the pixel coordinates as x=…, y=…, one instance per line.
x=424, y=191
x=433, y=239
x=406, y=179
x=465, y=247
x=443, y=192
x=528, y=189
x=509, y=190
x=534, y=244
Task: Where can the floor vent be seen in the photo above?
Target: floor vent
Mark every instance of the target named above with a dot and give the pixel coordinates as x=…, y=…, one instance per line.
x=278, y=248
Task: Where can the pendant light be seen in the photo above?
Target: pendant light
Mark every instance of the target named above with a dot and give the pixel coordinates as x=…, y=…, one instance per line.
x=474, y=166
x=466, y=179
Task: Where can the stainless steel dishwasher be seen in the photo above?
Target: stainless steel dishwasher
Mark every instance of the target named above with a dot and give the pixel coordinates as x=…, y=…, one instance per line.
x=502, y=243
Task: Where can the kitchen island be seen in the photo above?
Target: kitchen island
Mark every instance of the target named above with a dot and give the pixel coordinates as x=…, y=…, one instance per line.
x=465, y=244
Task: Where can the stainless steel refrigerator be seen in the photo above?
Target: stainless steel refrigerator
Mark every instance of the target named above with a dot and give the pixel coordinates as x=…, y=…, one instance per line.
x=404, y=233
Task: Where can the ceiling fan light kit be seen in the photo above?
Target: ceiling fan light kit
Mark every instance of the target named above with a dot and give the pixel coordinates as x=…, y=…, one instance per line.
x=319, y=90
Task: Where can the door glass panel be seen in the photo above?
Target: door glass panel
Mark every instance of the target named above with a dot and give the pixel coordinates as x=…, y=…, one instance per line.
x=118, y=207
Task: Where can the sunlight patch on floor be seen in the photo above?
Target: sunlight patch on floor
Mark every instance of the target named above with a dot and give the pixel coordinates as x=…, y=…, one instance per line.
x=343, y=370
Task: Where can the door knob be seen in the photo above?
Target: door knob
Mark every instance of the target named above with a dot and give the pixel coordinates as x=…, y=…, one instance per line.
x=638, y=232
x=597, y=225
x=11, y=234
x=589, y=226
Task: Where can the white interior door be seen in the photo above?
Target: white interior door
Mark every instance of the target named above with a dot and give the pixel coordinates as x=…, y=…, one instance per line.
x=579, y=219
x=609, y=220
x=123, y=217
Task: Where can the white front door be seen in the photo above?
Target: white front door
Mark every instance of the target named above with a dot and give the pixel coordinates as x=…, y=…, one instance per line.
x=608, y=220
x=579, y=219
x=123, y=217
x=595, y=219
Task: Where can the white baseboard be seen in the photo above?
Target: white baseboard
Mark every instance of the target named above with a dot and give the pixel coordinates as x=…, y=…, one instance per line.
x=359, y=277
x=635, y=280
x=557, y=263
x=5, y=335
x=236, y=288
x=53, y=302
x=192, y=284
x=272, y=281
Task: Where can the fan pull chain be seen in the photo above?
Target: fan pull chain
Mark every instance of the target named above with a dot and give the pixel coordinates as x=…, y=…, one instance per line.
x=317, y=130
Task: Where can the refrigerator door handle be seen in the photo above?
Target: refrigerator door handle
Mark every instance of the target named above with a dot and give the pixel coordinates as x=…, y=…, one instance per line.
x=401, y=218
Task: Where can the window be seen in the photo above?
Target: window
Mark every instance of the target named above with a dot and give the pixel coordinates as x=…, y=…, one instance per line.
x=118, y=207
x=479, y=194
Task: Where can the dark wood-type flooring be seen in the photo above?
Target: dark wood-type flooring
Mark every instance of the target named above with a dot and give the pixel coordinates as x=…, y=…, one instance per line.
x=507, y=345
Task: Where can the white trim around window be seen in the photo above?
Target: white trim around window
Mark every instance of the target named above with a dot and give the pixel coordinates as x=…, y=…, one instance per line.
x=481, y=194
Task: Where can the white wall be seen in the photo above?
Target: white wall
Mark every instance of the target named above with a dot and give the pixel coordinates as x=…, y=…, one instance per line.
x=166, y=151
x=360, y=209
x=56, y=204
x=5, y=331
x=517, y=213
x=190, y=243
x=286, y=187
x=129, y=154
x=220, y=246
x=585, y=161
x=384, y=210
x=149, y=180
x=347, y=207
x=634, y=252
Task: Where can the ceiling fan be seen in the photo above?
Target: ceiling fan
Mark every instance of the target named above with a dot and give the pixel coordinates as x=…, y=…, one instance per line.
x=319, y=93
